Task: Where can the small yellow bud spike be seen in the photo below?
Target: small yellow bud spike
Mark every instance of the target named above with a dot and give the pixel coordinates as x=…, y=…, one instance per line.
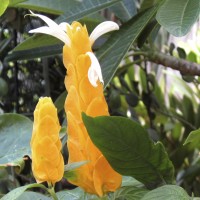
x=47, y=160
x=97, y=176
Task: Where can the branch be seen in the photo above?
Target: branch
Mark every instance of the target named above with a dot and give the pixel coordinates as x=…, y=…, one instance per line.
x=184, y=66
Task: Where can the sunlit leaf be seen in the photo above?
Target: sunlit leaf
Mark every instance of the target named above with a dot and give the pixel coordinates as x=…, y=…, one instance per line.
x=193, y=139
x=14, y=2
x=4, y=5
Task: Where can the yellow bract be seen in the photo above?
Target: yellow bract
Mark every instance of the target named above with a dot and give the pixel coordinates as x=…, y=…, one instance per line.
x=47, y=160
x=97, y=176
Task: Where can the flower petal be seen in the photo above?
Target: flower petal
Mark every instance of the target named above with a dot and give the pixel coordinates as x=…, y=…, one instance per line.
x=47, y=20
x=52, y=29
x=94, y=72
x=52, y=32
x=92, y=76
x=64, y=26
x=101, y=29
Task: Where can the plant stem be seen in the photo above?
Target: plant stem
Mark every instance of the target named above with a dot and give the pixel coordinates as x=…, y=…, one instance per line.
x=184, y=66
x=52, y=191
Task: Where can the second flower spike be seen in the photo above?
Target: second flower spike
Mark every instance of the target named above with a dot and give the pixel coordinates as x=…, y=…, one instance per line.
x=47, y=160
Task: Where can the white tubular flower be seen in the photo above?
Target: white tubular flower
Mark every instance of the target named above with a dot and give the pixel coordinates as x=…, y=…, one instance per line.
x=94, y=72
x=52, y=29
x=101, y=29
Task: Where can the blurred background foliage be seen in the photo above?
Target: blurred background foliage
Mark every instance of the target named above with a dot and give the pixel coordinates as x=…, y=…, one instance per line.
x=163, y=100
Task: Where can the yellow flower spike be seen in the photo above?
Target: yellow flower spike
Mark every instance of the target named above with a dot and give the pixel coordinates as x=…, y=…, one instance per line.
x=84, y=83
x=47, y=160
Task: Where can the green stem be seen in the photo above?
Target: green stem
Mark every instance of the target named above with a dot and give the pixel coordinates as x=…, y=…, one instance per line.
x=52, y=191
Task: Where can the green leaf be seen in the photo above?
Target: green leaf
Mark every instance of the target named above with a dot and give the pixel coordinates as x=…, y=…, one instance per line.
x=178, y=16
x=167, y=192
x=33, y=196
x=15, y=135
x=125, y=10
x=3, y=87
x=14, y=194
x=148, y=3
x=74, y=194
x=78, y=194
x=130, y=181
x=60, y=101
x=38, y=40
x=49, y=6
x=4, y=5
x=84, y=8
x=14, y=2
x=193, y=139
x=35, y=53
x=129, y=150
x=70, y=169
x=36, y=46
x=130, y=193
x=111, y=54
x=72, y=8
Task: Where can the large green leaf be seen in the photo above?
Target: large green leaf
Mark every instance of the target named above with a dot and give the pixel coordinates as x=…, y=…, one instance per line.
x=167, y=192
x=14, y=2
x=49, y=6
x=77, y=194
x=111, y=54
x=38, y=41
x=125, y=10
x=128, y=148
x=130, y=193
x=84, y=8
x=178, y=16
x=74, y=194
x=35, y=53
x=16, y=193
x=32, y=196
x=130, y=181
x=193, y=139
x=4, y=5
x=72, y=8
x=15, y=135
x=148, y=3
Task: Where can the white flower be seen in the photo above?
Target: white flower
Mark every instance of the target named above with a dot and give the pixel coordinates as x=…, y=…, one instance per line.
x=60, y=32
x=94, y=72
x=52, y=29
